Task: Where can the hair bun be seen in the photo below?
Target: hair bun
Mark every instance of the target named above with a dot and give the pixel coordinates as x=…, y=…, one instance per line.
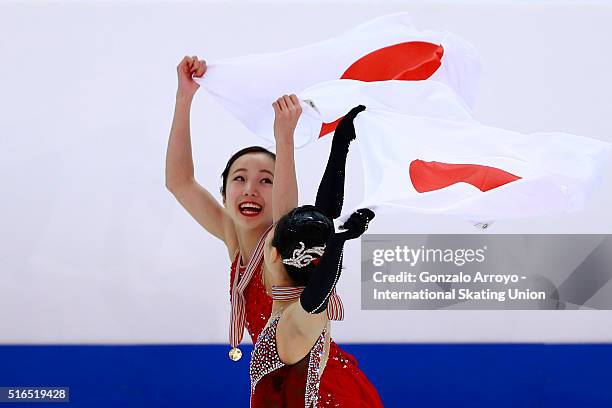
x=301, y=230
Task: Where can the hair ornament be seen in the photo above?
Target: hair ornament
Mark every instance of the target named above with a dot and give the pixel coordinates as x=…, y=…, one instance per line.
x=303, y=256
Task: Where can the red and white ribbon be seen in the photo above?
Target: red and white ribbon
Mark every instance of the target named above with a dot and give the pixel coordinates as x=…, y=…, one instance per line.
x=335, y=310
x=237, y=317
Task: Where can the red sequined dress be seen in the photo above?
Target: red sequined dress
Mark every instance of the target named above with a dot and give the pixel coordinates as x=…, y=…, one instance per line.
x=275, y=384
x=343, y=384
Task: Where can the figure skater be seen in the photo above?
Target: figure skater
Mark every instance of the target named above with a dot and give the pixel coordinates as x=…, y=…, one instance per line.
x=303, y=259
x=245, y=215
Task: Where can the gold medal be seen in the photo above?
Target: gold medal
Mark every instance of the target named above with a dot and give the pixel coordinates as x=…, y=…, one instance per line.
x=235, y=354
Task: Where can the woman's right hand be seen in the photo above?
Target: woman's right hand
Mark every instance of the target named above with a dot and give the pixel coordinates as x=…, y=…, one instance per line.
x=345, y=130
x=187, y=69
x=287, y=111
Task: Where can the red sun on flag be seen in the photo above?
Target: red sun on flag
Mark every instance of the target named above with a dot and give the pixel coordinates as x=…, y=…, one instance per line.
x=430, y=176
x=408, y=61
x=414, y=61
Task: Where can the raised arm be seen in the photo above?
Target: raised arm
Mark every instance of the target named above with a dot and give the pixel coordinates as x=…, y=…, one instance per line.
x=315, y=296
x=287, y=112
x=330, y=195
x=302, y=322
x=180, y=181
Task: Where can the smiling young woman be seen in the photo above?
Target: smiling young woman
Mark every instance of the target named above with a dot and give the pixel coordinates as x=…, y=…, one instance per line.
x=258, y=189
x=246, y=213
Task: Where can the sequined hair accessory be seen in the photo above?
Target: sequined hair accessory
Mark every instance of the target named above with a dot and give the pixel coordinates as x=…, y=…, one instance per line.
x=303, y=256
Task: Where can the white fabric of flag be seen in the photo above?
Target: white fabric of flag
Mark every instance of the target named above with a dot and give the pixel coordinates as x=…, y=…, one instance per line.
x=247, y=86
x=421, y=148
x=407, y=122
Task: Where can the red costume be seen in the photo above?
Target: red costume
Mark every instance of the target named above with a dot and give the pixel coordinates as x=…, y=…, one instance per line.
x=342, y=384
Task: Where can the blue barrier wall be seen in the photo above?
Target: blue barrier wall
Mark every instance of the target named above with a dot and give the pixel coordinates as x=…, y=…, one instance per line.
x=483, y=375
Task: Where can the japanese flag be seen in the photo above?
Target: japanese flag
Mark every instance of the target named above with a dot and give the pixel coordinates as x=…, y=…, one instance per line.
x=386, y=48
x=423, y=151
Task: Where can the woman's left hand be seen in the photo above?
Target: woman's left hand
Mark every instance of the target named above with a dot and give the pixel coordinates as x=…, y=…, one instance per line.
x=357, y=224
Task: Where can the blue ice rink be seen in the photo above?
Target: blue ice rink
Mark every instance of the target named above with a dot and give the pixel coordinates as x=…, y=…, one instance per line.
x=478, y=375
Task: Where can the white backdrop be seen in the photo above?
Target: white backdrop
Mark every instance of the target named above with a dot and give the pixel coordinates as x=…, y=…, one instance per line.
x=95, y=250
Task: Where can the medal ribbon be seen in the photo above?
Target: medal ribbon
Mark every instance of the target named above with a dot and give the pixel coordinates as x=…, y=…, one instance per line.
x=237, y=317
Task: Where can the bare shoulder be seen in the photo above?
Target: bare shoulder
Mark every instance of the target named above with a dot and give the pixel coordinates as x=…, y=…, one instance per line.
x=297, y=332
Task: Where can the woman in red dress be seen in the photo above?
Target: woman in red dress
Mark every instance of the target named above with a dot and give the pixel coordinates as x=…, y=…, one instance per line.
x=245, y=213
x=303, y=261
x=244, y=220
x=291, y=365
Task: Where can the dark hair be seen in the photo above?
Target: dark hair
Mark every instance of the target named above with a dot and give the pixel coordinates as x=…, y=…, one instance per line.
x=305, y=224
x=238, y=154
